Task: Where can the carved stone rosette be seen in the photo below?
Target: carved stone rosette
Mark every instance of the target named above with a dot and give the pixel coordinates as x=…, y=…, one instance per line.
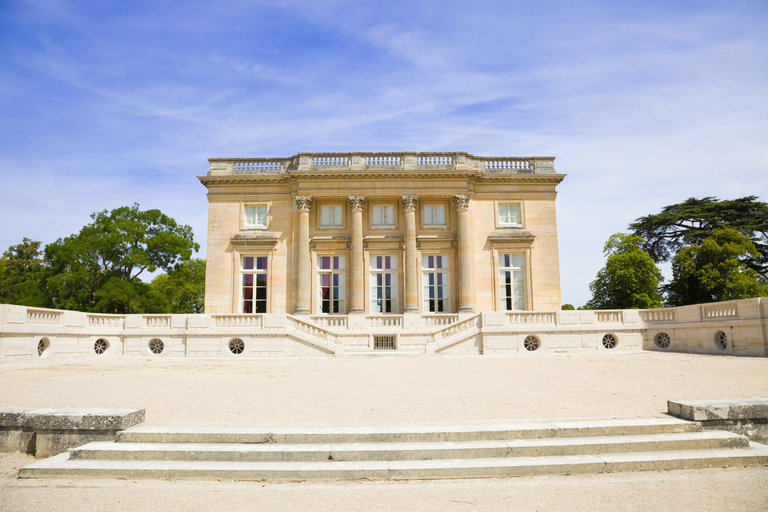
x=409, y=202
x=461, y=202
x=304, y=202
x=356, y=202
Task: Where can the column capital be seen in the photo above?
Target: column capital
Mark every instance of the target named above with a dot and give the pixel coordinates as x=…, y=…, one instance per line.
x=356, y=202
x=461, y=202
x=409, y=202
x=304, y=202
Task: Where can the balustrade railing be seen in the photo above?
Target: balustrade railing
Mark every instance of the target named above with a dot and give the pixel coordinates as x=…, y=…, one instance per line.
x=658, y=315
x=435, y=160
x=326, y=161
x=105, y=321
x=606, y=317
x=438, y=320
x=508, y=164
x=459, y=327
x=158, y=321
x=36, y=316
x=238, y=321
x=529, y=317
x=310, y=329
x=384, y=321
x=718, y=311
x=330, y=321
x=382, y=160
x=257, y=165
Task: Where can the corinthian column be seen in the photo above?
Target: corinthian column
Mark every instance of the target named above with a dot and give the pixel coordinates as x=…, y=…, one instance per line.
x=411, y=263
x=466, y=254
x=303, y=271
x=356, y=293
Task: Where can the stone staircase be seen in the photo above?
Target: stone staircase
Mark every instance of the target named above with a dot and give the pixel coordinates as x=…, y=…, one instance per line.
x=445, y=450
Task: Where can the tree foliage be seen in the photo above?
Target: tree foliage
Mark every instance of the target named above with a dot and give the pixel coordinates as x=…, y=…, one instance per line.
x=98, y=269
x=715, y=270
x=183, y=287
x=691, y=222
x=20, y=269
x=630, y=278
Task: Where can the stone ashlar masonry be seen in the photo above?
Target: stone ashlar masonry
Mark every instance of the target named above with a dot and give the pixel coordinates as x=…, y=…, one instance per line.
x=725, y=328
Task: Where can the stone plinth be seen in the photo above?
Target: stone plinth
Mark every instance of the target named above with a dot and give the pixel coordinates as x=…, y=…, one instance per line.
x=745, y=416
x=47, y=431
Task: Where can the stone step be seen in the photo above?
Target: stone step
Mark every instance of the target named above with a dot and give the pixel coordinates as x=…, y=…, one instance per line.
x=438, y=432
x=275, y=452
x=61, y=466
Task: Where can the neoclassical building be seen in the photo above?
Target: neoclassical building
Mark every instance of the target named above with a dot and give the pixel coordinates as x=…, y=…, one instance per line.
x=362, y=234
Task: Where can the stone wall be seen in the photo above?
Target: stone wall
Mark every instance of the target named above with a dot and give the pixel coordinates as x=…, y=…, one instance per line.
x=725, y=328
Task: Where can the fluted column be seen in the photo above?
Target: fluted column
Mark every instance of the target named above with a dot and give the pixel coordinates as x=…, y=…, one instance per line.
x=358, y=282
x=466, y=254
x=304, y=267
x=411, y=263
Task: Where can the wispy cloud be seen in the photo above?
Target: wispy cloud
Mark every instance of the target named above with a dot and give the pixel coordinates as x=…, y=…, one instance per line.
x=644, y=105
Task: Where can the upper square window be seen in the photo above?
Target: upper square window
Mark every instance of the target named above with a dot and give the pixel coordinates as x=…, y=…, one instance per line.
x=255, y=216
x=331, y=216
x=434, y=215
x=509, y=214
x=383, y=216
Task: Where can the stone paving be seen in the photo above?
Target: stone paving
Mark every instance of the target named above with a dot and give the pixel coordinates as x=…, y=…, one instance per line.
x=391, y=389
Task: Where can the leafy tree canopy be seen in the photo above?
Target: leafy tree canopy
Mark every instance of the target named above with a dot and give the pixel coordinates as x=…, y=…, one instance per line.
x=98, y=269
x=690, y=222
x=183, y=287
x=20, y=267
x=630, y=278
x=715, y=270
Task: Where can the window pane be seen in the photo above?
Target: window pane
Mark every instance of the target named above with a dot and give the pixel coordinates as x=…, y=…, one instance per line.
x=337, y=215
x=440, y=215
x=428, y=217
x=250, y=215
x=261, y=263
x=518, y=261
x=248, y=262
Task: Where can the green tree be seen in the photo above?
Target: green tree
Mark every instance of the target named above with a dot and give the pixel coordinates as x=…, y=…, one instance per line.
x=183, y=287
x=20, y=273
x=98, y=269
x=568, y=307
x=630, y=278
x=715, y=270
x=691, y=222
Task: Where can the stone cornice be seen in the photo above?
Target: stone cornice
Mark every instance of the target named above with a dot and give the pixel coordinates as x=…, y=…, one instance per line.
x=254, y=239
x=513, y=235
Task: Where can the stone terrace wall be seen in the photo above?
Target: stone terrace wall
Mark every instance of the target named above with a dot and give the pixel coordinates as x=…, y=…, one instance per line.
x=725, y=328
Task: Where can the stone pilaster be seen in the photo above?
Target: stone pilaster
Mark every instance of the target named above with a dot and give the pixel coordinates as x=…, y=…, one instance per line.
x=356, y=263
x=411, y=258
x=466, y=254
x=304, y=267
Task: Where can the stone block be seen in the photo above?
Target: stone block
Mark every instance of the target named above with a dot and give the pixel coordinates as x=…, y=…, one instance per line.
x=48, y=431
x=720, y=409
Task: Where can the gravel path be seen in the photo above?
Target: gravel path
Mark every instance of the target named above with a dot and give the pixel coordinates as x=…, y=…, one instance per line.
x=390, y=390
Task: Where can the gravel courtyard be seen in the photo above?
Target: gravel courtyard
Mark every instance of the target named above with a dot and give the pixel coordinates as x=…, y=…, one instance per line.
x=390, y=389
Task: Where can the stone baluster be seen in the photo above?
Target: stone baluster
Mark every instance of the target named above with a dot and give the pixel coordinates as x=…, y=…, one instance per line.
x=358, y=283
x=304, y=267
x=411, y=258
x=466, y=254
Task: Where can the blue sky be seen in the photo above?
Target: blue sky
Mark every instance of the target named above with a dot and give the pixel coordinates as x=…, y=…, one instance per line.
x=644, y=104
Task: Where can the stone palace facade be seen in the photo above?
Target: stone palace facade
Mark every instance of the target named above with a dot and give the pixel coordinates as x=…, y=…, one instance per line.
x=381, y=234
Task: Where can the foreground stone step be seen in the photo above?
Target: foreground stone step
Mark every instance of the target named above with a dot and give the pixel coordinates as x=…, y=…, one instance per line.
x=61, y=466
x=274, y=452
x=443, y=432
